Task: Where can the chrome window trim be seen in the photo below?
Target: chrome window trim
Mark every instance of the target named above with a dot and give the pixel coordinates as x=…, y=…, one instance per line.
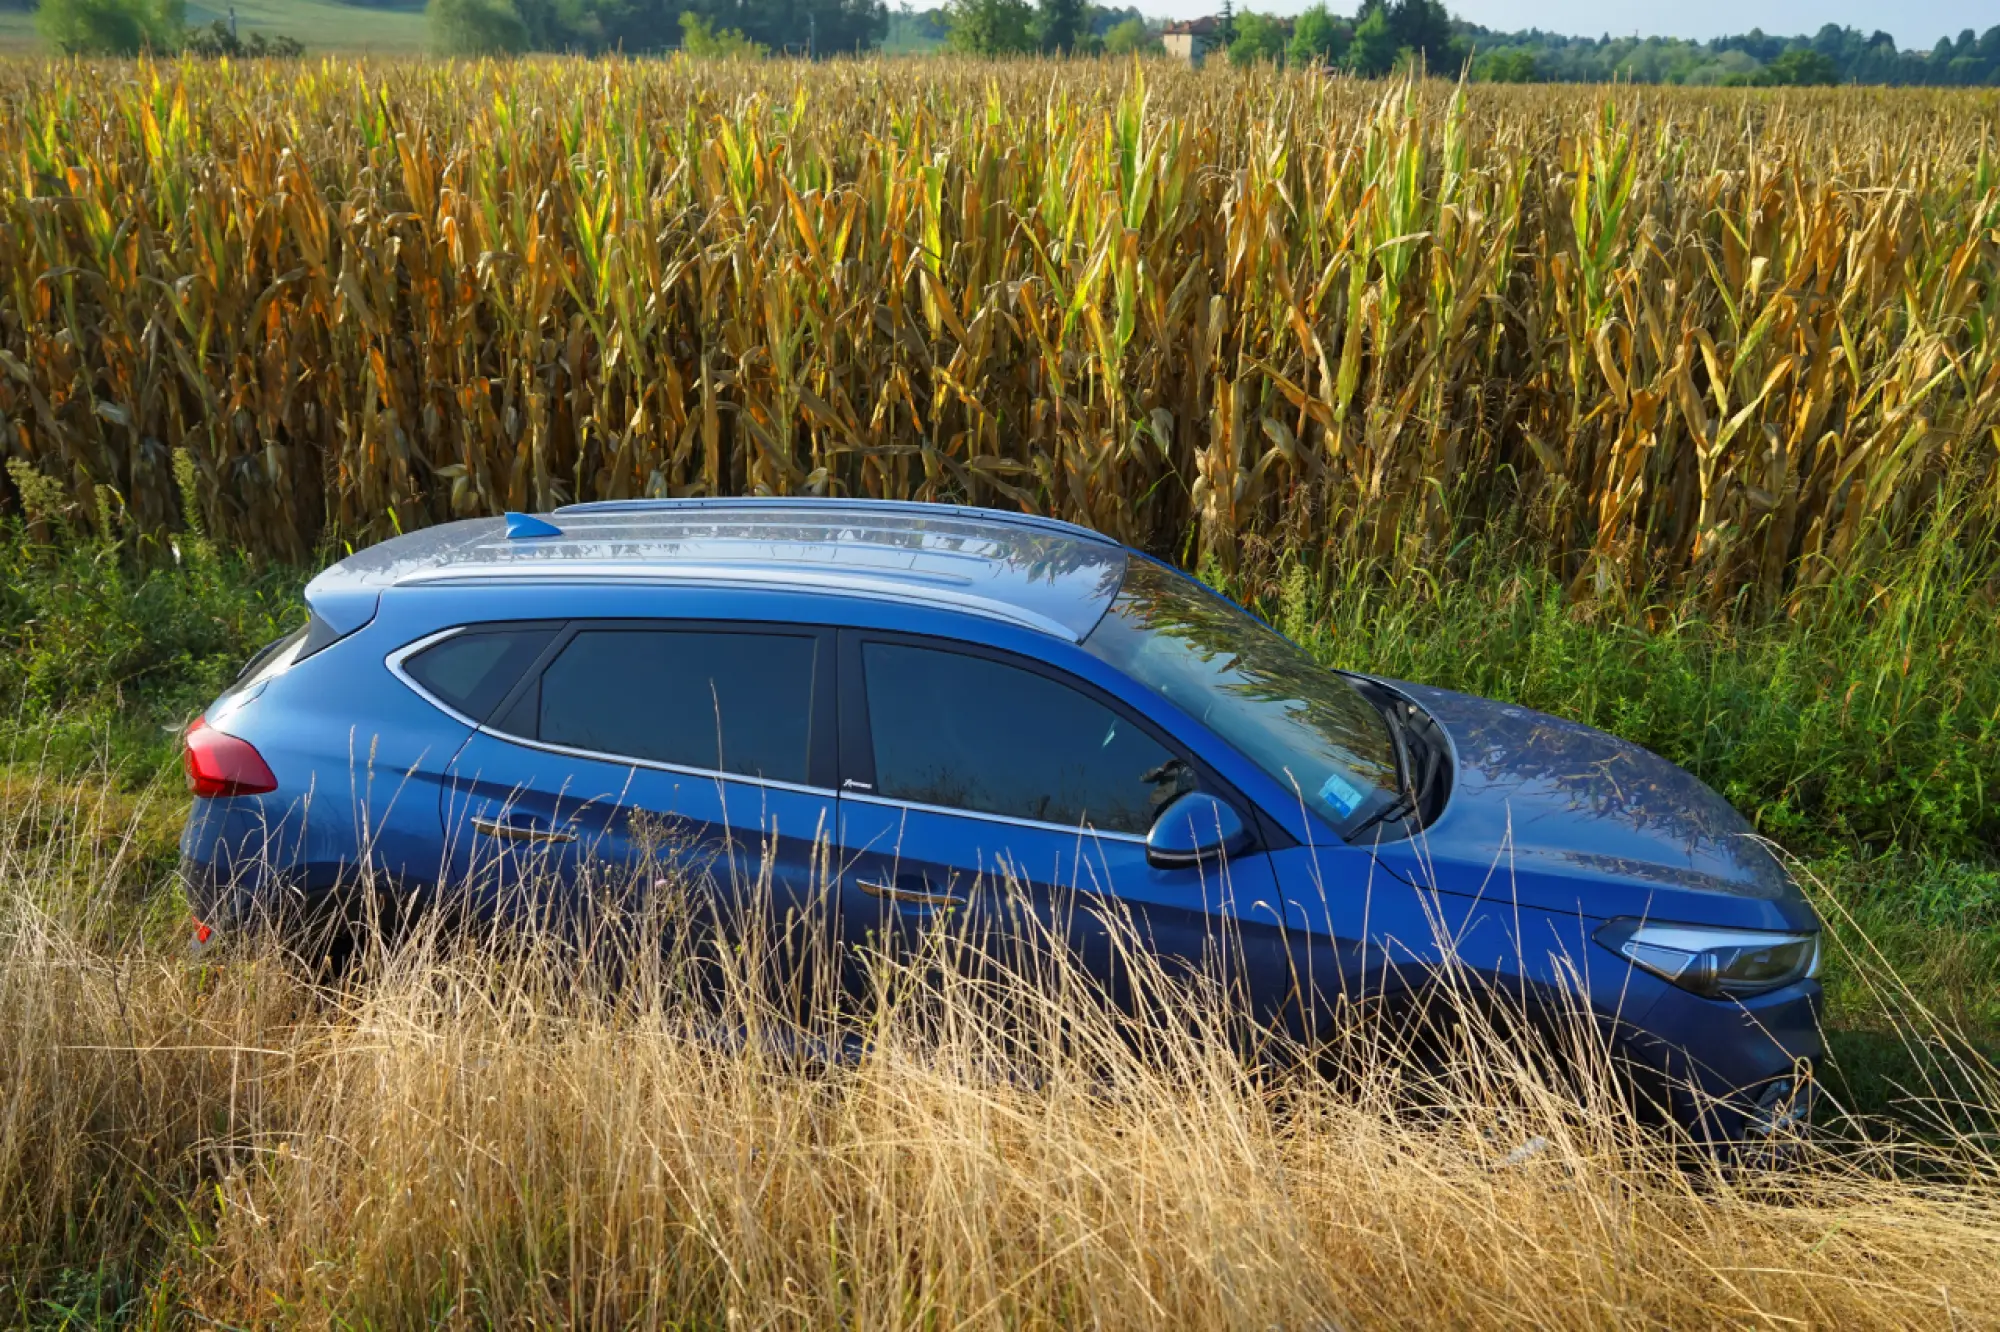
x=394, y=661
x=1070, y=829
x=651, y=765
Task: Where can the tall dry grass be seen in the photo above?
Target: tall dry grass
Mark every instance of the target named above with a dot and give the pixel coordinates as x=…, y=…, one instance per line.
x=471, y=1135
x=1724, y=339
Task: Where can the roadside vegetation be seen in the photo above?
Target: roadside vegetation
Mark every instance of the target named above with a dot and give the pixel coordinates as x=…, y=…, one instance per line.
x=503, y=1134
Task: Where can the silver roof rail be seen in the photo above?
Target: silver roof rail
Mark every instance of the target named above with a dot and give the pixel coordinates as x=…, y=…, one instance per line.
x=1032, y=521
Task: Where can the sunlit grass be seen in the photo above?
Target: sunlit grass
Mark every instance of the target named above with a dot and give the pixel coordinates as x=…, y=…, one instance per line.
x=495, y=1134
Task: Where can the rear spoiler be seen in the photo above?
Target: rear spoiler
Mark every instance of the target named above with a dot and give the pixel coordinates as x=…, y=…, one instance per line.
x=341, y=604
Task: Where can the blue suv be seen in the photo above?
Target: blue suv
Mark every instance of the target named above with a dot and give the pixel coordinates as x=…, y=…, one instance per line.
x=901, y=704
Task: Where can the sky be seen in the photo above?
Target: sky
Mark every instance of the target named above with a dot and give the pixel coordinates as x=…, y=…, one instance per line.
x=1913, y=23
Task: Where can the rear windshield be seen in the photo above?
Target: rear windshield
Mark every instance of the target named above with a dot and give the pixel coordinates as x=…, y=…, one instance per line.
x=1305, y=726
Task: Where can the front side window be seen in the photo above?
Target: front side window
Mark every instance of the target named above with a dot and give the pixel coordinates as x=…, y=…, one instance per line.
x=1308, y=728
x=970, y=733
x=721, y=702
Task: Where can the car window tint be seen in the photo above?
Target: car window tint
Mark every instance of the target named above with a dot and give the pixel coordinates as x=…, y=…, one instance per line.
x=724, y=702
x=972, y=733
x=472, y=671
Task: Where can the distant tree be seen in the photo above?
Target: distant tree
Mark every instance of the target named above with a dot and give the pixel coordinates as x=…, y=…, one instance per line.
x=1100, y=20
x=1318, y=38
x=1132, y=37
x=1515, y=66
x=562, y=25
x=704, y=41
x=1061, y=26
x=112, y=27
x=1225, y=28
x=1800, y=67
x=476, y=27
x=1729, y=67
x=1422, y=25
x=1373, y=51
x=1259, y=40
x=992, y=27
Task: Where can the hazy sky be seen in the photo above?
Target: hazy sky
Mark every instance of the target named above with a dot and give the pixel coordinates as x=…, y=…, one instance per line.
x=1913, y=23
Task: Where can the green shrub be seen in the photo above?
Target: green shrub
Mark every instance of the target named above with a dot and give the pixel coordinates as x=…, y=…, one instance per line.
x=1132, y=37
x=991, y=27
x=111, y=27
x=98, y=650
x=1259, y=40
x=1870, y=714
x=476, y=27
x=704, y=41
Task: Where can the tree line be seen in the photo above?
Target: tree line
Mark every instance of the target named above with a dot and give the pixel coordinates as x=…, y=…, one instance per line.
x=1834, y=54
x=709, y=28
x=1380, y=37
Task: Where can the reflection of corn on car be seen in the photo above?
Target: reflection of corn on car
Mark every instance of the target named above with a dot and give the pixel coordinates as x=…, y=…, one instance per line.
x=909, y=704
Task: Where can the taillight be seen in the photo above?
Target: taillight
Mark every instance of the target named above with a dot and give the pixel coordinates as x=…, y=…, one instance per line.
x=219, y=765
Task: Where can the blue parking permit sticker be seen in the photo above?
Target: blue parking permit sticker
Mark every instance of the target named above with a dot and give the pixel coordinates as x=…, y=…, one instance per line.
x=1340, y=793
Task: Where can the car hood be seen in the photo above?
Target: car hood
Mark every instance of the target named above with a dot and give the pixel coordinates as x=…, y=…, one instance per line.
x=1561, y=816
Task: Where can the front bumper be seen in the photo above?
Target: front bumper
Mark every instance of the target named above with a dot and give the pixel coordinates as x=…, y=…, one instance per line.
x=1737, y=1071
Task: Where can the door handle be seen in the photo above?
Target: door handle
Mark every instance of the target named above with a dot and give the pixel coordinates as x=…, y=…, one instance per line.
x=889, y=892
x=520, y=830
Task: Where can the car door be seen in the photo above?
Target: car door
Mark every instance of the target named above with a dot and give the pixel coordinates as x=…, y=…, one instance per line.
x=985, y=788
x=637, y=757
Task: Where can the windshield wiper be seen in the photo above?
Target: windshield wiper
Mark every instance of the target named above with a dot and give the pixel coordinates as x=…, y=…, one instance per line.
x=1399, y=808
x=1409, y=793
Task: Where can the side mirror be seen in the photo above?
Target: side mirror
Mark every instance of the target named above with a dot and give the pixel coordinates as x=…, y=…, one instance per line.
x=1194, y=829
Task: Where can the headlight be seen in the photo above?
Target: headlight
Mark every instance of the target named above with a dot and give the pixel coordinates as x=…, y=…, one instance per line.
x=1715, y=962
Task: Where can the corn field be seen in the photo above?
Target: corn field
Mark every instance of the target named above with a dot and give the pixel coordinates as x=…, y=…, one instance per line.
x=1729, y=341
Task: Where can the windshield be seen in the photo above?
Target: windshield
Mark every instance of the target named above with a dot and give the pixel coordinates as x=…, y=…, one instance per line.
x=1308, y=728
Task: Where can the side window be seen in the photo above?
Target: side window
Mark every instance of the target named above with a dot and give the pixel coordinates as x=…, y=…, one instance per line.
x=724, y=702
x=972, y=733
x=471, y=672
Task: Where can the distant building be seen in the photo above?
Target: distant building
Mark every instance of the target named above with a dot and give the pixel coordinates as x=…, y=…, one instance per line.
x=1192, y=40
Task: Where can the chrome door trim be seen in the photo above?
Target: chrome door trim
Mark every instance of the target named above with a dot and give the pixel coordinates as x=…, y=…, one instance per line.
x=1078, y=830
x=653, y=765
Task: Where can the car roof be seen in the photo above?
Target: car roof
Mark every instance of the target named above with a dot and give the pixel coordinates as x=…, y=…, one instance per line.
x=1038, y=572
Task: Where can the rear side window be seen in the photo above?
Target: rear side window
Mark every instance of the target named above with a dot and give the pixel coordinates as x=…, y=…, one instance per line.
x=722, y=702
x=471, y=672
x=971, y=733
